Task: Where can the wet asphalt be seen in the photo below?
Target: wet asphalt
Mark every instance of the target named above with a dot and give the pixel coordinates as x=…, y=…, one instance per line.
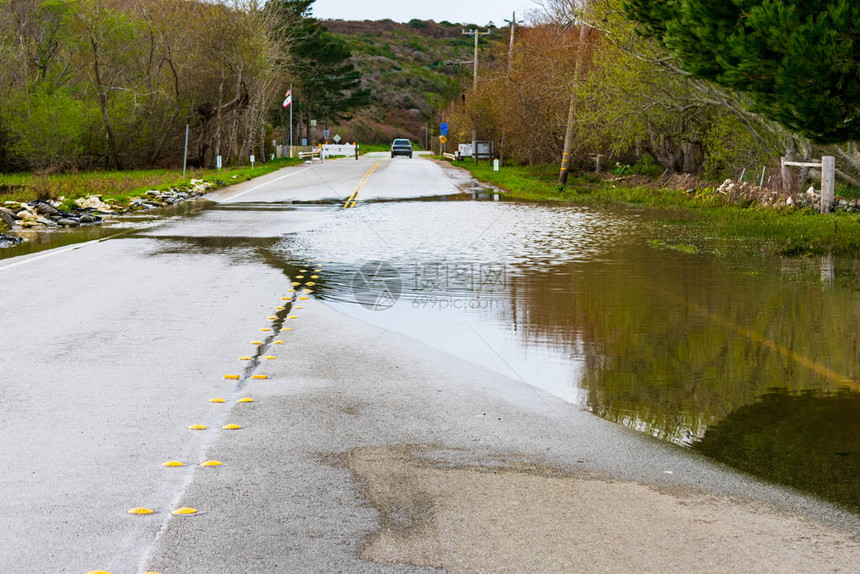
x=114, y=348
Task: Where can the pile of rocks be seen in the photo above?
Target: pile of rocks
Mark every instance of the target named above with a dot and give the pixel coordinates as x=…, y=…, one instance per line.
x=40, y=213
x=748, y=193
x=89, y=210
x=154, y=198
x=8, y=241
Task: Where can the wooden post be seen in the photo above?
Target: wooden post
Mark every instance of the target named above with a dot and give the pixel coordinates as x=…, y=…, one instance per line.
x=785, y=172
x=598, y=164
x=828, y=183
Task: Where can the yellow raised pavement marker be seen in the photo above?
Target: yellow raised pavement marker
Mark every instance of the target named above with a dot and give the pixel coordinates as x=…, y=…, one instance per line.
x=259, y=377
x=299, y=307
x=315, y=276
x=211, y=463
x=286, y=298
x=279, y=342
x=270, y=357
x=231, y=427
x=244, y=358
x=256, y=342
x=287, y=329
x=280, y=307
x=303, y=298
x=140, y=511
x=306, y=291
x=265, y=329
x=245, y=400
x=172, y=463
x=184, y=511
x=292, y=317
x=231, y=377
x=98, y=572
x=271, y=318
x=310, y=283
x=300, y=276
x=216, y=400
x=296, y=283
x=198, y=427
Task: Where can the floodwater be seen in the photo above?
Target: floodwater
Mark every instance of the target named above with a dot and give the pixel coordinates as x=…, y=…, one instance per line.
x=751, y=360
x=748, y=359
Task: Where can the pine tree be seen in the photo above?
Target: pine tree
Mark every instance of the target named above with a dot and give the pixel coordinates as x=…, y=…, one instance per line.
x=797, y=60
x=329, y=85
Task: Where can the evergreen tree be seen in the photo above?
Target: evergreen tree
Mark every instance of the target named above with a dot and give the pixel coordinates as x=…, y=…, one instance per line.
x=797, y=60
x=329, y=85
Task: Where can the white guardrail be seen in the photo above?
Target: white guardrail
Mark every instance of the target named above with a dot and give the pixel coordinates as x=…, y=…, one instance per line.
x=346, y=150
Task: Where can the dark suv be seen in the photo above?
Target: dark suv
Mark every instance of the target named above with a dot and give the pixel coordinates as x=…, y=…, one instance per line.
x=401, y=147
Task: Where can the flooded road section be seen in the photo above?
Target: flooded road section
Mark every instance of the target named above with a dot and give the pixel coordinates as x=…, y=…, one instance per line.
x=749, y=360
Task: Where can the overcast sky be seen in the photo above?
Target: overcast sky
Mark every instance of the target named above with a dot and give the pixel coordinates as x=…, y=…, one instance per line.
x=458, y=11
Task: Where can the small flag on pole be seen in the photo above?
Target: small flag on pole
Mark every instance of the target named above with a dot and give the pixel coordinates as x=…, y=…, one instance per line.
x=289, y=99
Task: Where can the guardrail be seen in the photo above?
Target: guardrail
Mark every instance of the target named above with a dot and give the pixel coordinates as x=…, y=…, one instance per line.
x=313, y=154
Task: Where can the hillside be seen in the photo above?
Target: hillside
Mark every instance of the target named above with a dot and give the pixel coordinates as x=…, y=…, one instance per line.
x=412, y=72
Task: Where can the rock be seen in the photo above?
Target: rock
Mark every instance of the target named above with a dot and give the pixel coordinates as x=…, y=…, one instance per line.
x=26, y=223
x=153, y=193
x=47, y=222
x=9, y=241
x=66, y=222
x=94, y=202
x=25, y=215
x=7, y=216
x=44, y=207
x=89, y=218
x=789, y=201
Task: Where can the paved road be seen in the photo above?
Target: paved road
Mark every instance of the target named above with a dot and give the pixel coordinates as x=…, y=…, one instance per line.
x=362, y=451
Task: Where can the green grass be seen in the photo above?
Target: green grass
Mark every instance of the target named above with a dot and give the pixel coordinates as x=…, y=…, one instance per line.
x=693, y=215
x=121, y=186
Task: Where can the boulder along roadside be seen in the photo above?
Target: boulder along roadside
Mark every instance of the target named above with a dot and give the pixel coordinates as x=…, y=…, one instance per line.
x=89, y=210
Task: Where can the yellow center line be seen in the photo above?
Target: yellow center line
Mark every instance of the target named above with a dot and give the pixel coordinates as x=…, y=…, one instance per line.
x=351, y=199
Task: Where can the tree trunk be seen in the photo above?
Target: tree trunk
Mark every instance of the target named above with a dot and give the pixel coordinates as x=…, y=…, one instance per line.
x=113, y=149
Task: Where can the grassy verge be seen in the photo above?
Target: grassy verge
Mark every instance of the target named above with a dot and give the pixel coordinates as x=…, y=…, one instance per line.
x=693, y=215
x=121, y=186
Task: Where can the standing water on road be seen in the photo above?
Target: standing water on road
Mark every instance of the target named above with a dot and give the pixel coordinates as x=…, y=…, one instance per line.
x=750, y=360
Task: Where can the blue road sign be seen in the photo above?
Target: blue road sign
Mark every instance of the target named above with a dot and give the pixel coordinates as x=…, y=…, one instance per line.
x=443, y=129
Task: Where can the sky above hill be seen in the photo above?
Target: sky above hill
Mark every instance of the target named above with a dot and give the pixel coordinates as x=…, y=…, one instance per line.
x=470, y=11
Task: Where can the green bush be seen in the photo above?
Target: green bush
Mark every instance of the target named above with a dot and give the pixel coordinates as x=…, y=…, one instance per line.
x=647, y=166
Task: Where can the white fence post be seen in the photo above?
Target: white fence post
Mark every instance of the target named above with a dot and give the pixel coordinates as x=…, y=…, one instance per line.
x=828, y=183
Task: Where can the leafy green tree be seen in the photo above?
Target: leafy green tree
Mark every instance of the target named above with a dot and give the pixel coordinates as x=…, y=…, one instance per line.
x=797, y=60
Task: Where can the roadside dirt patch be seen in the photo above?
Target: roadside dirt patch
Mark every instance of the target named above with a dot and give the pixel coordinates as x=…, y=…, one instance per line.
x=521, y=517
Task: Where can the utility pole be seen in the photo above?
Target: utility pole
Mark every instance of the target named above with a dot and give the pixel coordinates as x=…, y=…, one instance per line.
x=582, y=60
x=513, y=22
x=475, y=33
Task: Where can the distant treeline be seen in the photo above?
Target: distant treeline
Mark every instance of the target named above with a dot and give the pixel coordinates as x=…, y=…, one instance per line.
x=113, y=83
x=629, y=95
